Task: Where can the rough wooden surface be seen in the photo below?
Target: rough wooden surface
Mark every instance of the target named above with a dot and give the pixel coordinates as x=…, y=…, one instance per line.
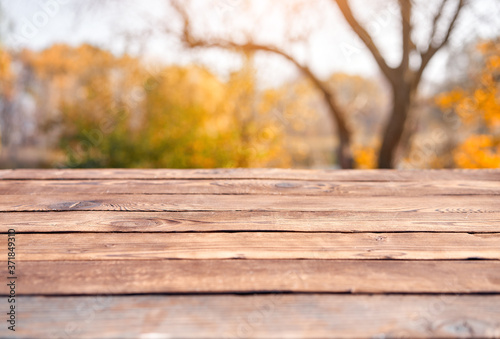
x=205, y=202
x=251, y=186
x=261, y=316
x=242, y=173
x=255, y=245
x=251, y=276
x=253, y=253
x=218, y=221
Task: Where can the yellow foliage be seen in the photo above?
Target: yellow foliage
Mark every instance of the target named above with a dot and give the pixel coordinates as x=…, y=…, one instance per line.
x=483, y=101
x=365, y=157
x=61, y=59
x=6, y=75
x=478, y=107
x=118, y=113
x=450, y=99
x=5, y=61
x=478, y=151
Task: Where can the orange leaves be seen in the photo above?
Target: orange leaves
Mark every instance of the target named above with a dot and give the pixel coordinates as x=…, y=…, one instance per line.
x=477, y=105
x=61, y=59
x=478, y=151
x=489, y=47
x=365, y=157
x=450, y=99
x=6, y=75
x=480, y=103
x=488, y=103
x=115, y=112
x=493, y=63
x=5, y=61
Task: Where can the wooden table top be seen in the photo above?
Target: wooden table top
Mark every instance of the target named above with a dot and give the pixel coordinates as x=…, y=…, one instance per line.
x=251, y=253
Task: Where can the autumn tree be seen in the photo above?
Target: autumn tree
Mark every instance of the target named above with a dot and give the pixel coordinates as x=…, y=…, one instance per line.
x=300, y=110
x=477, y=106
x=403, y=79
x=5, y=93
x=114, y=111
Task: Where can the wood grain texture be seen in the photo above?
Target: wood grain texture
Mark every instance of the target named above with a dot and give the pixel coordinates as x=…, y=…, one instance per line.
x=254, y=173
x=285, y=221
x=260, y=316
x=255, y=276
x=117, y=253
x=254, y=245
x=158, y=203
x=252, y=186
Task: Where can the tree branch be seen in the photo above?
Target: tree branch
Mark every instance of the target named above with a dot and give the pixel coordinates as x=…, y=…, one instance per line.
x=406, y=9
x=434, y=47
x=366, y=38
x=344, y=156
x=436, y=19
x=334, y=107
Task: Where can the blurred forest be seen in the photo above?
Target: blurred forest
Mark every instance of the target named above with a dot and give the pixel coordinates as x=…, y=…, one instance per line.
x=86, y=106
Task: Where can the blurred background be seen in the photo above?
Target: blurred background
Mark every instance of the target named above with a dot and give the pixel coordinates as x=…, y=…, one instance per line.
x=250, y=83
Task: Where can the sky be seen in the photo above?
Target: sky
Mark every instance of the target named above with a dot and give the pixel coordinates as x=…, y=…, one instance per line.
x=331, y=47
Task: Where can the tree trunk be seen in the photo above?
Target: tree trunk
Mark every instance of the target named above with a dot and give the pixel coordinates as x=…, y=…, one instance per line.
x=395, y=125
x=344, y=154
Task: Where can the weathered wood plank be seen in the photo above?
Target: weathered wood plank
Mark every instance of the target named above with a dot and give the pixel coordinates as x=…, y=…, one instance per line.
x=259, y=316
x=338, y=221
x=255, y=276
x=245, y=173
x=158, y=203
x=254, y=245
x=246, y=186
